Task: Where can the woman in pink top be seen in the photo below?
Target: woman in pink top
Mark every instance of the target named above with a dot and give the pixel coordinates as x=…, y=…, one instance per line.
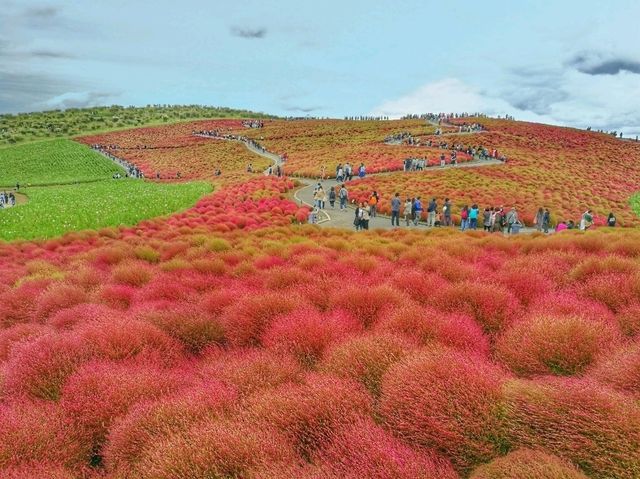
x=561, y=227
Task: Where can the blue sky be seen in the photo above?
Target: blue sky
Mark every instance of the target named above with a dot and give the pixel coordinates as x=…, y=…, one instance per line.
x=565, y=62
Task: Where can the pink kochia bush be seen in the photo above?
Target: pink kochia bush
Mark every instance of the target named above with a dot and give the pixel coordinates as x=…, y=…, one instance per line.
x=446, y=400
x=363, y=450
x=562, y=345
x=530, y=464
x=578, y=420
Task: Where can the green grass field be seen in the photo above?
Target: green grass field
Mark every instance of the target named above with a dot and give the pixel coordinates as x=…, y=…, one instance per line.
x=53, y=211
x=53, y=162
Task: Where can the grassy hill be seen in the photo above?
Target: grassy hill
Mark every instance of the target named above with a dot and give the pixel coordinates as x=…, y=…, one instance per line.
x=23, y=127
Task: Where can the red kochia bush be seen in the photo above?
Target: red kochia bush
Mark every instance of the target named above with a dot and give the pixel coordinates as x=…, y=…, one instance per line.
x=80, y=314
x=529, y=464
x=15, y=334
x=124, y=339
x=578, y=420
x=218, y=448
x=447, y=400
x=426, y=325
x=615, y=290
x=365, y=450
x=35, y=431
x=310, y=413
x=366, y=303
x=620, y=370
x=193, y=327
x=251, y=370
x=629, y=319
x=492, y=305
x=568, y=304
x=561, y=345
x=246, y=320
x=99, y=393
x=39, y=368
x=306, y=334
x=58, y=296
x=38, y=470
x=149, y=422
x=366, y=358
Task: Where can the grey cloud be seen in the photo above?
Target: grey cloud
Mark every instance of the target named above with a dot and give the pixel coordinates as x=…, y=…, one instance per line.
x=50, y=54
x=535, y=89
x=303, y=109
x=42, y=12
x=79, y=100
x=28, y=91
x=253, y=33
x=600, y=64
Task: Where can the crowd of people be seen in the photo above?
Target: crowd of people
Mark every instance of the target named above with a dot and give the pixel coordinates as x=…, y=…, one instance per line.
x=366, y=118
x=7, y=200
x=252, y=123
x=132, y=171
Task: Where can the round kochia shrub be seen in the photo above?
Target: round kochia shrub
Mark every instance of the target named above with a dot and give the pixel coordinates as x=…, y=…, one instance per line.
x=251, y=370
x=38, y=470
x=35, y=431
x=16, y=334
x=427, y=326
x=529, y=464
x=305, y=334
x=578, y=420
x=620, y=370
x=101, y=392
x=446, y=400
x=562, y=345
x=308, y=414
x=365, y=450
x=133, y=436
x=366, y=358
x=40, y=367
x=218, y=448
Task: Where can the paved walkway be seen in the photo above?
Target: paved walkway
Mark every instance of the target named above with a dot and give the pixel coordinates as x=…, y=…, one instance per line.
x=334, y=217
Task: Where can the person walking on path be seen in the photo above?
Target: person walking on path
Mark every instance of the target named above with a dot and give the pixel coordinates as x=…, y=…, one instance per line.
x=332, y=197
x=486, y=219
x=365, y=217
x=546, y=220
x=373, y=204
x=611, y=220
x=464, y=218
x=408, y=206
x=446, y=212
x=343, y=194
x=586, y=221
x=417, y=208
x=396, y=203
x=357, y=221
x=362, y=171
x=473, y=217
x=512, y=218
x=539, y=219
x=431, y=213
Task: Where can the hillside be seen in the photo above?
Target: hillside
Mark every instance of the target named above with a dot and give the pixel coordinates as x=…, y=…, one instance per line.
x=230, y=340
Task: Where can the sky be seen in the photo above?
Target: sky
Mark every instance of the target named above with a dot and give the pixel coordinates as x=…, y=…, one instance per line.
x=565, y=62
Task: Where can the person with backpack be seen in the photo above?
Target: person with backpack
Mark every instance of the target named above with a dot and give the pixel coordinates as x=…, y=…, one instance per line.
x=611, y=220
x=343, y=195
x=373, y=204
x=464, y=217
x=396, y=203
x=431, y=212
x=446, y=212
x=332, y=197
x=408, y=207
x=417, y=209
x=474, y=212
x=586, y=221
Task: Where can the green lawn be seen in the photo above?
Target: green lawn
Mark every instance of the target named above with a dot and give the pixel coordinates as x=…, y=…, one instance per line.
x=52, y=211
x=52, y=162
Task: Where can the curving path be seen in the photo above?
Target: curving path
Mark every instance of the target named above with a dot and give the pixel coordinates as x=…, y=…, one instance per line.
x=334, y=217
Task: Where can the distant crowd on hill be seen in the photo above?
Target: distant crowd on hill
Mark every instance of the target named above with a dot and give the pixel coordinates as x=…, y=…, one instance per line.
x=7, y=200
x=366, y=118
x=132, y=171
x=252, y=123
x=615, y=134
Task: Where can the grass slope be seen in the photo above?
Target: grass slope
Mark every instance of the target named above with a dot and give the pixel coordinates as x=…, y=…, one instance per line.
x=52, y=162
x=52, y=211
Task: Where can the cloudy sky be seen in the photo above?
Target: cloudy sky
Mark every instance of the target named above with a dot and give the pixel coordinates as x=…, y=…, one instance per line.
x=573, y=62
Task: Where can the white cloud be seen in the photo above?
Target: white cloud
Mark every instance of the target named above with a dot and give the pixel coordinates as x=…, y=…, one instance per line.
x=561, y=97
